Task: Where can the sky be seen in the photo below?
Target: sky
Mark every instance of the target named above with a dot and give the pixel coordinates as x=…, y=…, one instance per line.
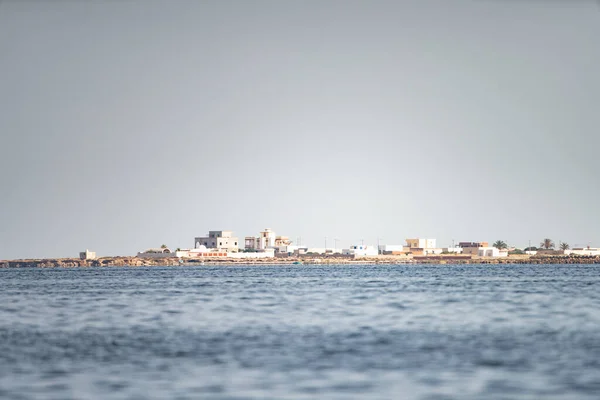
x=130, y=124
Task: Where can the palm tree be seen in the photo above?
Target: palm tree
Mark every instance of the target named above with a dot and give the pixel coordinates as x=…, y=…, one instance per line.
x=547, y=244
x=500, y=244
x=564, y=246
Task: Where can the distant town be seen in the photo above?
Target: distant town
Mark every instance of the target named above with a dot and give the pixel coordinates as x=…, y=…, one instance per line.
x=267, y=244
x=268, y=247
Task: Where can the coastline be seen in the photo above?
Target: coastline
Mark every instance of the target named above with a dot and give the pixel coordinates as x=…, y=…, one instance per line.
x=132, y=261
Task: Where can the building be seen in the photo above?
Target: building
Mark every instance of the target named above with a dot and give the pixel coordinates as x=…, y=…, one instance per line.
x=267, y=253
x=422, y=246
x=219, y=240
x=266, y=240
x=290, y=249
x=360, y=251
x=482, y=249
x=394, y=249
x=454, y=250
x=251, y=243
x=488, y=252
x=472, y=248
x=87, y=255
x=282, y=241
x=203, y=252
x=420, y=243
x=584, y=251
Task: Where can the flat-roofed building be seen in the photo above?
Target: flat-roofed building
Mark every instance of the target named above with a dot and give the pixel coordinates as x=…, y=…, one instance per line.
x=360, y=251
x=266, y=240
x=219, y=240
x=87, y=255
x=420, y=243
x=422, y=246
x=584, y=251
x=472, y=248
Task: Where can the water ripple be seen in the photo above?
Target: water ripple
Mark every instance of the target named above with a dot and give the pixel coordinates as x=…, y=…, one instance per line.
x=282, y=332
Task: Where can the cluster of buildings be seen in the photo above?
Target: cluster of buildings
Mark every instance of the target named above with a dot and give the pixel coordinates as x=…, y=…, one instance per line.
x=575, y=251
x=425, y=247
x=268, y=244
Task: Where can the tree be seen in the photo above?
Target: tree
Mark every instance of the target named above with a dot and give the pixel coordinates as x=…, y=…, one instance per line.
x=163, y=246
x=500, y=245
x=547, y=244
x=564, y=246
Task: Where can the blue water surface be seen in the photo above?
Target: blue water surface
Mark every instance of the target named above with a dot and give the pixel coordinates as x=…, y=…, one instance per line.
x=301, y=332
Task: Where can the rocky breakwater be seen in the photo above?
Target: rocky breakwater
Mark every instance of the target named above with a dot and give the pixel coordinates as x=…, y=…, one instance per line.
x=76, y=262
x=542, y=259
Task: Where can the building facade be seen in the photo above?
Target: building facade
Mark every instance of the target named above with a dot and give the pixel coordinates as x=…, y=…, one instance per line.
x=422, y=246
x=266, y=240
x=219, y=240
x=87, y=255
x=584, y=251
x=360, y=251
x=472, y=248
x=421, y=243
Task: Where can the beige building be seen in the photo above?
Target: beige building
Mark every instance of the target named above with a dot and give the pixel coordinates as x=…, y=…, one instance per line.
x=282, y=241
x=420, y=243
x=220, y=240
x=422, y=246
x=473, y=248
x=266, y=240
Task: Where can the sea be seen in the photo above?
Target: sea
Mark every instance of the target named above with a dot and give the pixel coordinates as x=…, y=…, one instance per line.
x=431, y=332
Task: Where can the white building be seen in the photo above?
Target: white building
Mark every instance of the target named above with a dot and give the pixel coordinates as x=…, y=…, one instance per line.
x=87, y=255
x=422, y=246
x=266, y=240
x=491, y=252
x=360, y=251
x=267, y=253
x=219, y=240
x=455, y=250
x=191, y=253
x=392, y=249
x=291, y=249
x=584, y=251
x=420, y=243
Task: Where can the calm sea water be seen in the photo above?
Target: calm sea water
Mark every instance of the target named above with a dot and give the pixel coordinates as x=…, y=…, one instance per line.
x=301, y=332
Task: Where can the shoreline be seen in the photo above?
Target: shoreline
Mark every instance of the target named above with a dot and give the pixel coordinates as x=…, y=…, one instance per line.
x=122, y=261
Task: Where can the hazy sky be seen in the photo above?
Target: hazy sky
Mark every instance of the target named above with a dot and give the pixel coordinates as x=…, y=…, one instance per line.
x=128, y=124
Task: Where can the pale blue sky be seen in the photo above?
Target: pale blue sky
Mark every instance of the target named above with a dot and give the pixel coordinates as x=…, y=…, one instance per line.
x=128, y=124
